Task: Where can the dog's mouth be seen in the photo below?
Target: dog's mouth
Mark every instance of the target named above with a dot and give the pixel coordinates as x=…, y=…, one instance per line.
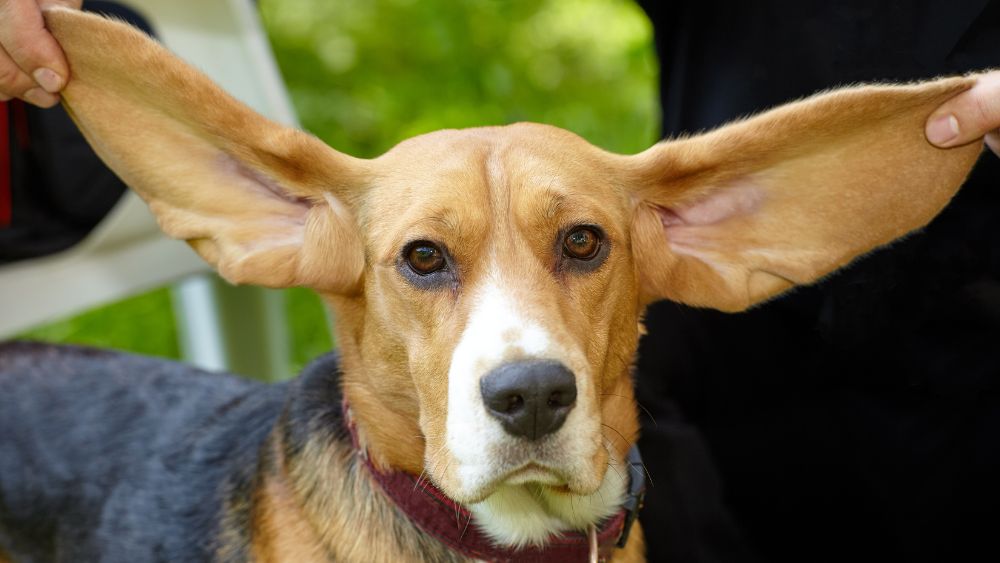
x=537, y=475
x=533, y=473
x=528, y=502
x=562, y=463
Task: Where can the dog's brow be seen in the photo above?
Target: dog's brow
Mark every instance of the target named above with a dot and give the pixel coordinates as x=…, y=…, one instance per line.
x=442, y=220
x=555, y=201
x=441, y=225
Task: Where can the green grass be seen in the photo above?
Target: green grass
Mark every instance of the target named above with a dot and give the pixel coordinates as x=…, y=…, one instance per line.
x=143, y=324
x=364, y=75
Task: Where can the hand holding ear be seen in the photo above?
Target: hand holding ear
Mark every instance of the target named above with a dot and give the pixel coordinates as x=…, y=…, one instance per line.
x=969, y=116
x=32, y=65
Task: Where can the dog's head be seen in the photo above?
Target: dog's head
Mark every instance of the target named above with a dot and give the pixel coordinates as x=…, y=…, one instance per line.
x=489, y=282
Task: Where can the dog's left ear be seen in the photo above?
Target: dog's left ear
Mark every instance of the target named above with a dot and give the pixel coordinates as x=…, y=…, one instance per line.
x=738, y=215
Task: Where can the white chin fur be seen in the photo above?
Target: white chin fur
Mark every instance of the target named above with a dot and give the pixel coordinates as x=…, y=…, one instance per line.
x=520, y=515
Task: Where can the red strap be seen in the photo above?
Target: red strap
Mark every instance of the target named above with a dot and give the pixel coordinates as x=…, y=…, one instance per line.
x=5, y=157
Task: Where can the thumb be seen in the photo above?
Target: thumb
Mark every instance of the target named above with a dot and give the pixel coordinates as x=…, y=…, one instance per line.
x=969, y=115
x=30, y=46
x=993, y=142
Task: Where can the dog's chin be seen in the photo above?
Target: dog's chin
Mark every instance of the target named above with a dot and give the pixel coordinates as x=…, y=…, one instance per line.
x=528, y=505
x=533, y=504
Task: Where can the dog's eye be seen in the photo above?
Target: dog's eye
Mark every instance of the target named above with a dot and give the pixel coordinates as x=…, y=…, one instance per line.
x=424, y=257
x=582, y=243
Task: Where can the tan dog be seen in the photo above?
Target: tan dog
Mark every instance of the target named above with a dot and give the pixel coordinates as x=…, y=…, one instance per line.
x=482, y=274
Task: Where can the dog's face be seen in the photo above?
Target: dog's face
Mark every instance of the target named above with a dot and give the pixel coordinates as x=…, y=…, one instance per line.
x=488, y=283
x=500, y=291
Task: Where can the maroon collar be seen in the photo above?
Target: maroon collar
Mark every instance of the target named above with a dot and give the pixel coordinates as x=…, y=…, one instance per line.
x=450, y=523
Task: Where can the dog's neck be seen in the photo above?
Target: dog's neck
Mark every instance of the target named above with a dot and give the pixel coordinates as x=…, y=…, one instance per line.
x=320, y=503
x=325, y=500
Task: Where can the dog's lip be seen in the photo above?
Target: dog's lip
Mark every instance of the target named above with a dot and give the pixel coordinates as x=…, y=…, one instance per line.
x=533, y=472
x=547, y=479
x=561, y=490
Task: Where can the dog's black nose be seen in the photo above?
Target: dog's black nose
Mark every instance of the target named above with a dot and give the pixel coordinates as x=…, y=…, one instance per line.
x=530, y=398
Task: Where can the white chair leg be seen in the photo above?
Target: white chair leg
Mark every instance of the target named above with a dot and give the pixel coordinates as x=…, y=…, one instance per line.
x=238, y=329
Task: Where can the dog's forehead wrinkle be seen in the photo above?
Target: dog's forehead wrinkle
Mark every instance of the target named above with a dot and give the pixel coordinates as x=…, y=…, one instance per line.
x=555, y=202
x=496, y=179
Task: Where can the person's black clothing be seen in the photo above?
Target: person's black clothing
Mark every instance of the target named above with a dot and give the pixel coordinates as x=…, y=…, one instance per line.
x=859, y=419
x=54, y=190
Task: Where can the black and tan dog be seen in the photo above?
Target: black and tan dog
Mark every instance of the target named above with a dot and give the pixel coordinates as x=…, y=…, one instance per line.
x=488, y=285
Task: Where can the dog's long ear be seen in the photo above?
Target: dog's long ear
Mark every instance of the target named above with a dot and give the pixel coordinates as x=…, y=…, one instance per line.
x=265, y=204
x=735, y=216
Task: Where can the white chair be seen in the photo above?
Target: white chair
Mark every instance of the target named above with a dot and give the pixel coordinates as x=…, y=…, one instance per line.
x=220, y=327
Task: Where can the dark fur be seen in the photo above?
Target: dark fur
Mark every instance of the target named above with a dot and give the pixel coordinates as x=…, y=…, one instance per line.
x=112, y=457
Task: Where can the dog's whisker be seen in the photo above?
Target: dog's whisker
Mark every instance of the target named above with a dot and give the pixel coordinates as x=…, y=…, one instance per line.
x=649, y=414
x=622, y=436
x=419, y=480
x=538, y=494
x=646, y=471
x=615, y=469
x=609, y=448
x=466, y=528
x=637, y=403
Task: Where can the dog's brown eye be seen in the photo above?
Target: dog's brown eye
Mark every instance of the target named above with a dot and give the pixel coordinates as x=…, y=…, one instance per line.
x=582, y=243
x=425, y=258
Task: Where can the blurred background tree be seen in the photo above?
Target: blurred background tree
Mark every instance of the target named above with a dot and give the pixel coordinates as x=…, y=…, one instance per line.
x=366, y=74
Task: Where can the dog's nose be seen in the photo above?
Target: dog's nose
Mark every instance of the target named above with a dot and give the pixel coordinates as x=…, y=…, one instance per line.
x=530, y=398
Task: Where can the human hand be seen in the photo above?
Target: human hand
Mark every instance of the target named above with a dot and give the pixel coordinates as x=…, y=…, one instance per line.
x=969, y=115
x=32, y=65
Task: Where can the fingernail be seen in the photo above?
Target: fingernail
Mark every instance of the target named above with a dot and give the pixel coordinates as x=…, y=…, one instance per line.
x=942, y=129
x=40, y=98
x=48, y=79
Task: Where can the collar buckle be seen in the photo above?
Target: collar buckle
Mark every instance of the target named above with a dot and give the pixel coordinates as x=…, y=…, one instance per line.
x=636, y=493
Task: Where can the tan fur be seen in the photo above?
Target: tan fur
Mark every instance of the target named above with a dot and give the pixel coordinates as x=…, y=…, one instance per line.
x=281, y=532
x=322, y=506
x=723, y=220
x=635, y=550
x=819, y=210
x=191, y=201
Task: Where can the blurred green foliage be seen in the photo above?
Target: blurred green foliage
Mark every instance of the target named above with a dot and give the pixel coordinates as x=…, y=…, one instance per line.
x=366, y=74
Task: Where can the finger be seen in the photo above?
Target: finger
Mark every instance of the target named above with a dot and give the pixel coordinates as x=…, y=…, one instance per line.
x=31, y=47
x=969, y=115
x=993, y=142
x=15, y=84
x=75, y=4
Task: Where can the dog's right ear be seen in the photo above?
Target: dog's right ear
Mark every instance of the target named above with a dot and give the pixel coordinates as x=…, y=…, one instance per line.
x=263, y=203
